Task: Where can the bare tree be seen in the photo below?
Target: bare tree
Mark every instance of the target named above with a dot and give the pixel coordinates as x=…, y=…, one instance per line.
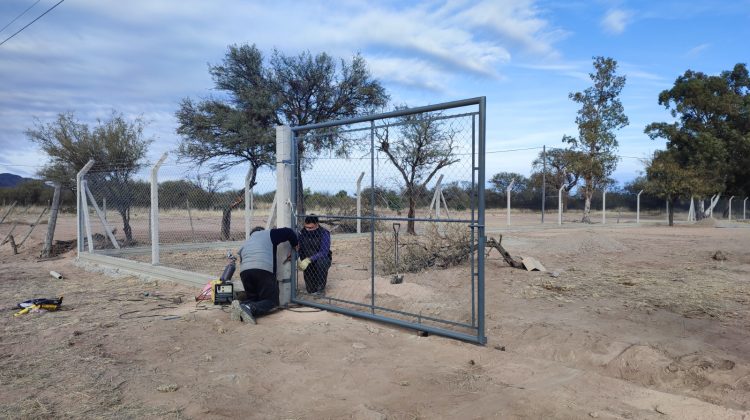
x=420, y=147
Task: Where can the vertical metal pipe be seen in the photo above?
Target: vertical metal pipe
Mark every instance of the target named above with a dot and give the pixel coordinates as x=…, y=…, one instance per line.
x=604, y=206
x=480, y=280
x=293, y=197
x=730, y=207
x=744, y=208
x=372, y=216
x=472, y=198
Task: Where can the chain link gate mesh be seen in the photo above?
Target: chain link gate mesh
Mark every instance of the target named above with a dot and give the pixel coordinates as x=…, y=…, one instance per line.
x=407, y=244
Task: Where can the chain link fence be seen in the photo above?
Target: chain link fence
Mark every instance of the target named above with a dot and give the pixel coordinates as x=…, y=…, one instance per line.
x=201, y=213
x=403, y=251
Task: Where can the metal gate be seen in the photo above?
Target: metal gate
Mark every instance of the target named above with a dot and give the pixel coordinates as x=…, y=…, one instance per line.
x=402, y=194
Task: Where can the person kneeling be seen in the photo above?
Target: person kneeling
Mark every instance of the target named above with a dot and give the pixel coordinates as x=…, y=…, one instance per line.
x=257, y=272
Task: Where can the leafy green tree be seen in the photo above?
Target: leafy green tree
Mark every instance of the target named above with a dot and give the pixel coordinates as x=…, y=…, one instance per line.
x=712, y=133
x=116, y=145
x=667, y=178
x=258, y=95
x=601, y=114
x=419, y=148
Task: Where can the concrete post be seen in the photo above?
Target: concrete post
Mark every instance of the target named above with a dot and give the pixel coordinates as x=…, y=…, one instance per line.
x=284, y=201
x=638, y=207
x=80, y=204
x=248, y=202
x=155, y=210
x=604, y=206
x=559, y=205
x=507, y=195
x=359, y=202
x=730, y=208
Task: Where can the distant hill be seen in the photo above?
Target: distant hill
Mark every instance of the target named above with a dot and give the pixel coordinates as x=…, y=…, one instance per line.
x=11, y=180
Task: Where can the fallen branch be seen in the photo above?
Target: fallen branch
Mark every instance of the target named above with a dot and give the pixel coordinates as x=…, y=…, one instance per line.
x=492, y=243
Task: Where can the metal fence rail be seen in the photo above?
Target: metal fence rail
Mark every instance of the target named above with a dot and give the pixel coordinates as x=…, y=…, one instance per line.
x=404, y=251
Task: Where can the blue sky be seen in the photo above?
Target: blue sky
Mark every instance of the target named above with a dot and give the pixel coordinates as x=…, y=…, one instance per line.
x=142, y=56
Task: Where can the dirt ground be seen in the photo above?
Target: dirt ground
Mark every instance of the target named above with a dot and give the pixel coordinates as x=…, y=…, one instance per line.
x=630, y=322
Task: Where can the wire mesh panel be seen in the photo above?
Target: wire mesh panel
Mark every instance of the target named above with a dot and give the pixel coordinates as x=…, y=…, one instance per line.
x=401, y=194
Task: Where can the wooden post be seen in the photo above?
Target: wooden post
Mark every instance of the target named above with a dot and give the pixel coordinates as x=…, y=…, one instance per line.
x=31, y=229
x=13, y=245
x=7, y=212
x=51, y=223
x=249, y=205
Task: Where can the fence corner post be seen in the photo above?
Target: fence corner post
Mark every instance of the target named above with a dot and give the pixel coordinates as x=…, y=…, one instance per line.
x=284, y=213
x=155, y=210
x=79, y=204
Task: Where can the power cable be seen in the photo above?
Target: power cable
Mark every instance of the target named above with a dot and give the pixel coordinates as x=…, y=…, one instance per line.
x=29, y=24
x=22, y=13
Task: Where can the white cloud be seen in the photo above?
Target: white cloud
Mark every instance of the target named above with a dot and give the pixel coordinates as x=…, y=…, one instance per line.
x=616, y=20
x=696, y=51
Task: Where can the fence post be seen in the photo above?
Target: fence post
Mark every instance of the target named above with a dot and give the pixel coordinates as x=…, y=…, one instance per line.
x=744, y=206
x=638, y=208
x=544, y=178
x=155, y=210
x=604, y=206
x=7, y=212
x=559, y=205
x=52, y=222
x=79, y=204
x=359, y=202
x=730, y=208
x=507, y=195
x=248, y=203
x=284, y=212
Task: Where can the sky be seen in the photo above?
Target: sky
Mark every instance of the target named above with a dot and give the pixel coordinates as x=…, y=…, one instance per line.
x=141, y=57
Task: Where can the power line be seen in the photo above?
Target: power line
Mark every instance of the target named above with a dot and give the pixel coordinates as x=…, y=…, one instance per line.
x=29, y=24
x=22, y=13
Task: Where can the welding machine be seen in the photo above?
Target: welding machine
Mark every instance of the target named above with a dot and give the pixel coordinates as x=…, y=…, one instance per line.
x=222, y=290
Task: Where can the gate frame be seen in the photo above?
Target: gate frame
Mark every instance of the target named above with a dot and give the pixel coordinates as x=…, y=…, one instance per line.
x=478, y=224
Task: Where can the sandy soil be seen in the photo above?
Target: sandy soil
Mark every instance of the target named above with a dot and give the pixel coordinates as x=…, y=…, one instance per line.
x=639, y=323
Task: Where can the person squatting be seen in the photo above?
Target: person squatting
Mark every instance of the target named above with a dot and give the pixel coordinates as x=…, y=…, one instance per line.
x=315, y=255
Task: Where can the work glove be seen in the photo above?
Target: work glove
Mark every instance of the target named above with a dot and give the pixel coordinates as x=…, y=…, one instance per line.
x=302, y=265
